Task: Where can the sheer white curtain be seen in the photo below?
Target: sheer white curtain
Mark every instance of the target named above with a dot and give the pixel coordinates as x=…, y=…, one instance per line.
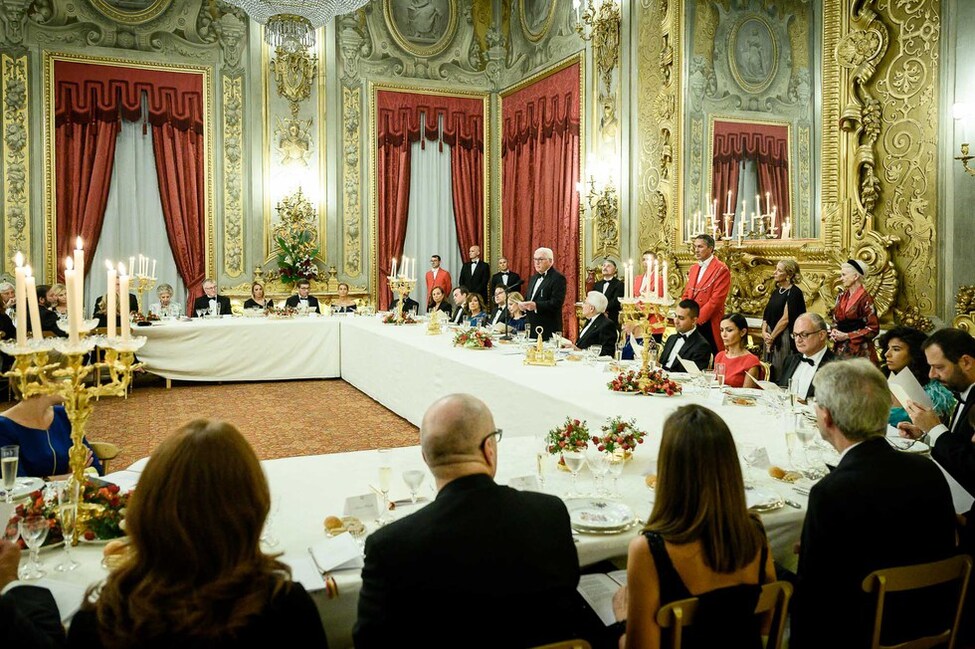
x=747, y=189
x=430, y=228
x=134, y=221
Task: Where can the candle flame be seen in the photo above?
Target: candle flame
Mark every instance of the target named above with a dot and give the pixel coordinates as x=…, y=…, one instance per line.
x=121, y=268
x=19, y=259
x=79, y=244
x=27, y=271
x=68, y=263
x=109, y=265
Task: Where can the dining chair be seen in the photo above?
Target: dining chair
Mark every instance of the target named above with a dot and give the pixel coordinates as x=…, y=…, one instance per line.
x=566, y=644
x=104, y=451
x=923, y=575
x=774, y=600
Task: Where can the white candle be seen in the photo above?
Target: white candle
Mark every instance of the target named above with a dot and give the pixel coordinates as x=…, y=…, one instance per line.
x=714, y=209
x=392, y=269
x=666, y=278
x=153, y=269
x=729, y=202
x=768, y=202
x=69, y=287
x=123, y=291
x=110, y=305
x=628, y=289
x=758, y=204
x=744, y=209
x=21, y=300
x=35, y=313
x=741, y=228
x=773, y=218
x=131, y=264
x=656, y=277
x=79, y=269
x=402, y=264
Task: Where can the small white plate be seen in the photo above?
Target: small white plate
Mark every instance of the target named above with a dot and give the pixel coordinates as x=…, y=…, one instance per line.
x=598, y=515
x=25, y=486
x=907, y=446
x=760, y=501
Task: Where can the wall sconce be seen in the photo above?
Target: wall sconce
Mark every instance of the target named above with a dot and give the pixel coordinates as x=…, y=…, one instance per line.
x=603, y=205
x=963, y=113
x=596, y=19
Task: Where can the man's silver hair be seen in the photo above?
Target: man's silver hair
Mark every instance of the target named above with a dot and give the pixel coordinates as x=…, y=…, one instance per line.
x=856, y=395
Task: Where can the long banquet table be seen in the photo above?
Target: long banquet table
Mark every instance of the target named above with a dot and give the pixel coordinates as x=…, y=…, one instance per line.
x=406, y=370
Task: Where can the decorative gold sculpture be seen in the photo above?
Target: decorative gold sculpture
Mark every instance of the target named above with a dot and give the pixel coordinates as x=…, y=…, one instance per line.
x=403, y=286
x=435, y=324
x=294, y=73
x=604, y=212
x=538, y=354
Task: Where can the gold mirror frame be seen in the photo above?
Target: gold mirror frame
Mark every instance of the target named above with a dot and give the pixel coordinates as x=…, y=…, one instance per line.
x=535, y=37
x=50, y=192
x=853, y=46
x=485, y=98
x=137, y=17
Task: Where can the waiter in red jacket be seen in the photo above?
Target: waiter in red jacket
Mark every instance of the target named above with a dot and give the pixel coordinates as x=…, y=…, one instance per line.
x=708, y=283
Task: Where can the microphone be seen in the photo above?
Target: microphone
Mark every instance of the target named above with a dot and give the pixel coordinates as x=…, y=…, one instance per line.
x=515, y=285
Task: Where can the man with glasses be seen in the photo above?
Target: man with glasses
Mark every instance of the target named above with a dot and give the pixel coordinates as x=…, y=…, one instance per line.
x=211, y=301
x=482, y=565
x=302, y=300
x=546, y=296
x=437, y=277
x=810, y=334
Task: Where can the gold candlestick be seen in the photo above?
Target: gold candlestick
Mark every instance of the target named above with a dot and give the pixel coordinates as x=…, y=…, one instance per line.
x=143, y=284
x=404, y=286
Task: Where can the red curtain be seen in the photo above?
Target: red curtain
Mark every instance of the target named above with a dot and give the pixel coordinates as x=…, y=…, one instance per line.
x=90, y=100
x=540, y=169
x=403, y=118
x=768, y=145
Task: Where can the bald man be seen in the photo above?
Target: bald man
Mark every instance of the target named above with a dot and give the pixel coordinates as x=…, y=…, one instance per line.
x=482, y=565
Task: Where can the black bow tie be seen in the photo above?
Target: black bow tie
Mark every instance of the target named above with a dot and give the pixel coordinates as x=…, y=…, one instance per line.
x=807, y=360
x=683, y=336
x=958, y=397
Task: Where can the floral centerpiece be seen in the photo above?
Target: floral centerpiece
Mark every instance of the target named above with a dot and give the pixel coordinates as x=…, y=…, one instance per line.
x=103, y=523
x=296, y=237
x=619, y=436
x=473, y=339
x=393, y=318
x=572, y=435
x=653, y=383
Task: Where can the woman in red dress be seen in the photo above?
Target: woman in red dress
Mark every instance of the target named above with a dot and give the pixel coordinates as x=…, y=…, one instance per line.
x=741, y=367
x=855, y=317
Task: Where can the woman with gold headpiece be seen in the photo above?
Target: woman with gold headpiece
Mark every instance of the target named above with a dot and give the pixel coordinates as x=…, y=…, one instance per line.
x=854, y=315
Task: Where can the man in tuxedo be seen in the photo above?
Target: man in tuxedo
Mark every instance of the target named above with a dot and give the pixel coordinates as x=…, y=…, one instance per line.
x=951, y=355
x=878, y=508
x=101, y=307
x=546, y=295
x=599, y=329
x=460, y=300
x=496, y=566
x=810, y=334
x=210, y=299
x=476, y=273
x=708, y=283
x=49, y=319
x=500, y=313
x=504, y=277
x=687, y=343
x=7, y=332
x=437, y=277
x=302, y=300
x=29, y=615
x=409, y=305
x=612, y=287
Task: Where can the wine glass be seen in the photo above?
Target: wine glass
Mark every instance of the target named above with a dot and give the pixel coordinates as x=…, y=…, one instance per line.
x=200, y=313
x=574, y=461
x=9, y=456
x=413, y=479
x=541, y=451
x=33, y=529
x=593, y=351
x=599, y=466
x=616, y=463
x=385, y=482
x=67, y=493
x=557, y=339
x=720, y=371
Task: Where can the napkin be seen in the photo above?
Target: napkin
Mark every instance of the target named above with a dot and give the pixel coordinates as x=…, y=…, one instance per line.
x=337, y=553
x=690, y=366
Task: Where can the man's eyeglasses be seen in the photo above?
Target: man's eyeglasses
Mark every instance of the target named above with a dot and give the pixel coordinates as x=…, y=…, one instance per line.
x=540, y=259
x=802, y=335
x=496, y=431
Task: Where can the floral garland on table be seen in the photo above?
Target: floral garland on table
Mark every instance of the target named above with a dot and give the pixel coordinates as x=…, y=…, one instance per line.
x=573, y=435
x=619, y=434
x=473, y=339
x=655, y=383
x=104, y=523
x=393, y=318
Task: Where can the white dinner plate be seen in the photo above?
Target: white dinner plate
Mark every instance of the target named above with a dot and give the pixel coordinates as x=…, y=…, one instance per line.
x=599, y=515
x=25, y=486
x=744, y=392
x=905, y=445
x=759, y=500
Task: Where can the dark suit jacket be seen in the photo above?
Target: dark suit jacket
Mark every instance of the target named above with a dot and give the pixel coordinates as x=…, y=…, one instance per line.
x=498, y=567
x=603, y=332
x=458, y=315
x=497, y=280
x=613, y=294
x=49, y=322
x=101, y=307
x=444, y=306
x=293, y=300
x=695, y=348
x=476, y=282
x=203, y=302
x=955, y=451
x=792, y=363
x=7, y=332
x=29, y=617
x=501, y=318
x=408, y=305
x=879, y=508
x=548, y=300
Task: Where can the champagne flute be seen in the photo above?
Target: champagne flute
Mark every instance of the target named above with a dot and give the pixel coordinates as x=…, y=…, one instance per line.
x=8, y=470
x=413, y=479
x=574, y=461
x=541, y=450
x=385, y=482
x=67, y=492
x=33, y=529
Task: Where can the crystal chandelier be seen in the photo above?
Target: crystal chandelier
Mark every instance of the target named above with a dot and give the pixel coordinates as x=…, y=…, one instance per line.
x=291, y=24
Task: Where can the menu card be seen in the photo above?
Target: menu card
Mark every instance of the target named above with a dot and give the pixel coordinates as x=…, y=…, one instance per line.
x=905, y=386
x=690, y=366
x=336, y=553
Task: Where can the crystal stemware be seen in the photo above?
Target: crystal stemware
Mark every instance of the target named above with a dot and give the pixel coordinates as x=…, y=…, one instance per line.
x=413, y=479
x=599, y=466
x=385, y=482
x=574, y=461
x=67, y=494
x=616, y=463
x=33, y=529
x=9, y=456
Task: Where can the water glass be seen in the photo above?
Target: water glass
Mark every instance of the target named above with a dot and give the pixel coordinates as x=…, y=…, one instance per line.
x=413, y=479
x=541, y=458
x=33, y=529
x=599, y=466
x=616, y=463
x=385, y=483
x=9, y=456
x=68, y=499
x=720, y=371
x=574, y=461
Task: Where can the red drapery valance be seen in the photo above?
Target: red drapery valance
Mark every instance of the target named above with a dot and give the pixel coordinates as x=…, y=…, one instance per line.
x=398, y=118
x=85, y=92
x=540, y=169
x=768, y=145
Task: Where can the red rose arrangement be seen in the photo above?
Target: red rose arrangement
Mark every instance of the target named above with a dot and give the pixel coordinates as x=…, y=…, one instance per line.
x=619, y=434
x=573, y=435
x=103, y=523
x=392, y=318
x=473, y=339
x=655, y=383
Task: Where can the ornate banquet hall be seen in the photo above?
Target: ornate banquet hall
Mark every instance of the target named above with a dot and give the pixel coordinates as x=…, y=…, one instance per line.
x=327, y=156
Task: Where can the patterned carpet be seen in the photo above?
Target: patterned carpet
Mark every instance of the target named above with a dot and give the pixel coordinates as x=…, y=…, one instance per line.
x=280, y=419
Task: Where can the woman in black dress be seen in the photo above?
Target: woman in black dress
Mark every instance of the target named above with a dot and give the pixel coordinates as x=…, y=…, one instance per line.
x=785, y=304
x=439, y=303
x=343, y=303
x=257, y=299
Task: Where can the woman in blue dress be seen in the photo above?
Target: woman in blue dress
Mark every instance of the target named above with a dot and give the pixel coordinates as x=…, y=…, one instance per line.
x=902, y=347
x=475, y=306
x=40, y=427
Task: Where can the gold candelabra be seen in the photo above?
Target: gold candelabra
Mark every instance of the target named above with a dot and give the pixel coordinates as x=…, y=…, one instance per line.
x=72, y=378
x=403, y=286
x=143, y=285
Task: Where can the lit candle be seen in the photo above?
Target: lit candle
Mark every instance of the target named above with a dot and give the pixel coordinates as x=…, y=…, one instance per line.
x=131, y=264
x=656, y=275
x=774, y=208
x=714, y=209
x=21, y=300
x=729, y=202
x=69, y=287
x=402, y=264
x=628, y=289
x=123, y=290
x=35, y=313
x=741, y=228
x=392, y=269
x=111, y=306
x=153, y=269
x=666, y=281
x=79, y=269
x=744, y=209
x=758, y=204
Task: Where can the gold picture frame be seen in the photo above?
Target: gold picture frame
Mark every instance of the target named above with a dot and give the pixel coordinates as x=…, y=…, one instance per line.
x=412, y=47
x=536, y=36
x=133, y=17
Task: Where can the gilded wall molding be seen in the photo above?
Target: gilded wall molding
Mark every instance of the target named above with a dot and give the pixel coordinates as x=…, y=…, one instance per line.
x=233, y=176
x=352, y=173
x=16, y=157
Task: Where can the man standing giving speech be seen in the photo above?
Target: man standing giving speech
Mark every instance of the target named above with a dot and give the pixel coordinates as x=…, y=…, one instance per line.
x=546, y=295
x=708, y=283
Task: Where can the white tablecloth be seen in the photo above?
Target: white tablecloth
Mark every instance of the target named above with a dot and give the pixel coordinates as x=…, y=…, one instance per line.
x=242, y=349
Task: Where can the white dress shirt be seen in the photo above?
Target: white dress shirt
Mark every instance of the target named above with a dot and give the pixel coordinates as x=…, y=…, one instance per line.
x=941, y=429
x=803, y=376
x=678, y=345
x=434, y=271
x=537, y=285
x=605, y=285
x=703, y=267
x=497, y=316
x=504, y=279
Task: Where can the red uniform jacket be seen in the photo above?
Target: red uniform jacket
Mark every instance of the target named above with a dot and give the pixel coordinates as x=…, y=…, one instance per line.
x=710, y=294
